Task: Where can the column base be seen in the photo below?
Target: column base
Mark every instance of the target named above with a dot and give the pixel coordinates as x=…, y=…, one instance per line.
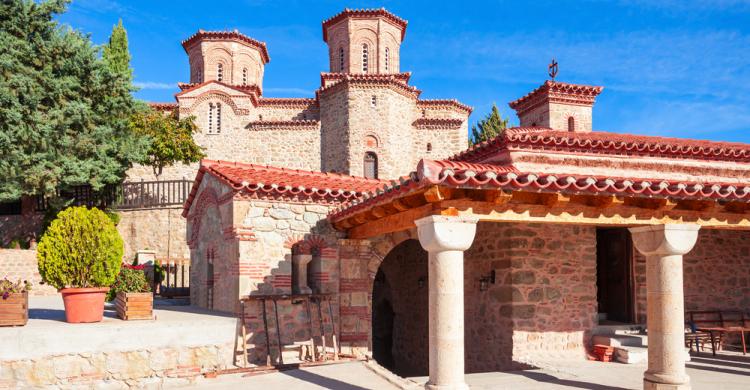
x=451, y=386
x=302, y=290
x=648, y=385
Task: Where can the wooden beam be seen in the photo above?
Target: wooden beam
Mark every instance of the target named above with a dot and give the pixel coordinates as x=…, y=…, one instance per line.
x=569, y=213
x=392, y=223
x=398, y=205
x=437, y=193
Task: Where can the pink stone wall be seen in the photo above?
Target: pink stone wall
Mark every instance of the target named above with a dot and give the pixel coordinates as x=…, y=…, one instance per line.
x=716, y=273
x=22, y=264
x=377, y=33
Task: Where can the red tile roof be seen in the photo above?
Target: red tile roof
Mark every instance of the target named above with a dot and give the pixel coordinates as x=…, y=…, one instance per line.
x=453, y=103
x=437, y=123
x=484, y=176
x=607, y=144
x=559, y=92
x=284, y=125
x=263, y=182
x=228, y=35
x=327, y=76
x=364, y=13
x=158, y=106
x=248, y=89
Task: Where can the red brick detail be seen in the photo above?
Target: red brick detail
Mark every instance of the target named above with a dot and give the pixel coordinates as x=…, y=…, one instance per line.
x=282, y=281
x=354, y=337
x=354, y=285
x=256, y=271
x=321, y=276
x=183, y=371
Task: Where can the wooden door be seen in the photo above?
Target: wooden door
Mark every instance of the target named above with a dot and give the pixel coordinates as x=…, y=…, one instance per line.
x=614, y=276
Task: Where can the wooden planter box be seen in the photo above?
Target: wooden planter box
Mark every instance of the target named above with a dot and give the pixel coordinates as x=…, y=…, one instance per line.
x=14, y=311
x=135, y=306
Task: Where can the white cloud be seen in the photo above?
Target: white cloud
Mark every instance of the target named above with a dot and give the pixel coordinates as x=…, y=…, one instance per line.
x=154, y=85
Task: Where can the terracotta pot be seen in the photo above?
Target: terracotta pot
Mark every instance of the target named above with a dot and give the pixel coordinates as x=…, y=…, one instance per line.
x=84, y=304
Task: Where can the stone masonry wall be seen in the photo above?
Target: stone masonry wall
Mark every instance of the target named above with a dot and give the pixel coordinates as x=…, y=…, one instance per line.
x=147, y=368
x=162, y=230
x=543, y=304
x=19, y=226
x=716, y=273
x=22, y=264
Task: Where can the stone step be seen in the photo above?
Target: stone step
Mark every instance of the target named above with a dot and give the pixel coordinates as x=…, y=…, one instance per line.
x=635, y=355
x=621, y=340
x=619, y=329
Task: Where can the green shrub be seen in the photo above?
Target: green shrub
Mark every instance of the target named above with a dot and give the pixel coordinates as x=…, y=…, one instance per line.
x=113, y=216
x=81, y=248
x=131, y=279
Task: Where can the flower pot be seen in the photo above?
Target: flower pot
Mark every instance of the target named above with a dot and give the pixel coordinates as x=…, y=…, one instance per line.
x=84, y=304
x=14, y=310
x=135, y=306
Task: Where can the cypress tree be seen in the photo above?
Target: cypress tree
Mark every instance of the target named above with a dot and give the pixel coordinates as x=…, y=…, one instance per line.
x=489, y=127
x=116, y=54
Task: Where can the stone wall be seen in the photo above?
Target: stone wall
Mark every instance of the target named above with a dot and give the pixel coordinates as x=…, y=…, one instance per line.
x=19, y=226
x=161, y=230
x=22, y=264
x=716, y=273
x=143, y=368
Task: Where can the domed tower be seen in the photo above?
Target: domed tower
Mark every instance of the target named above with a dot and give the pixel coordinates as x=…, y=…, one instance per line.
x=364, y=41
x=226, y=56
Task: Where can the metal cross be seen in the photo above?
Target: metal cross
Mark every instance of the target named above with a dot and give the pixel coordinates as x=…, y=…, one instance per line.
x=552, y=69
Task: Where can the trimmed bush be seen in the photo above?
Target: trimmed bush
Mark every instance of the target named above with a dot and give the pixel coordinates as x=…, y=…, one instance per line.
x=81, y=248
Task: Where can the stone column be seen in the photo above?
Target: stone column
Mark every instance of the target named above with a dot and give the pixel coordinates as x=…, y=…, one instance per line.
x=663, y=246
x=299, y=273
x=445, y=238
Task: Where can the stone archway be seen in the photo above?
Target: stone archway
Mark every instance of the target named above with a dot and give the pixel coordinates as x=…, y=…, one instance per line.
x=400, y=310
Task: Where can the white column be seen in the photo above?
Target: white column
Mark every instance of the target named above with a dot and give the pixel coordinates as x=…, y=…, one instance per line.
x=663, y=246
x=299, y=274
x=445, y=239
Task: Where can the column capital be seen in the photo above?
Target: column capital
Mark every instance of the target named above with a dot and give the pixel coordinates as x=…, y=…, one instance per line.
x=446, y=233
x=665, y=240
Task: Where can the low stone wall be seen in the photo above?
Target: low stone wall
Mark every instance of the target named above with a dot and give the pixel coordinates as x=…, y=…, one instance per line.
x=22, y=264
x=149, y=368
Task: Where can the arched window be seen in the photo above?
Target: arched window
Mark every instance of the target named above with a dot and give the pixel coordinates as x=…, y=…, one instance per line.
x=210, y=118
x=429, y=147
x=371, y=165
x=373, y=101
x=220, y=72
x=218, y=118
x=244, y=77
x=387, y=58
x=424, y=113
x=571, y=124
x=365, y=58
x=341, y=59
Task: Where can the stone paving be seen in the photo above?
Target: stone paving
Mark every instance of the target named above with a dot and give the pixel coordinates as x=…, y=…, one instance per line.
x=726, y=371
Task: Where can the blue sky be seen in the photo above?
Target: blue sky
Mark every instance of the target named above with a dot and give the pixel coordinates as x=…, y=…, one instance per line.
x=672, y=67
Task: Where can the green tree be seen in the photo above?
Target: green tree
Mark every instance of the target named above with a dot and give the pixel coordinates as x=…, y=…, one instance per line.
x=115, y=53
x=64, y=114
x=171, y=138
x=490, y=127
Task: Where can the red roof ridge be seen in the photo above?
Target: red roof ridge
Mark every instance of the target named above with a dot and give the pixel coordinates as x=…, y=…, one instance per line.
x=273, y=101
x=162, y=106
x=402, y=76
x=248, y=89
x=233, y=35
x=445, y=102
x=586, y=92
x=298, y=123
x=459, y=174
x=364, y=13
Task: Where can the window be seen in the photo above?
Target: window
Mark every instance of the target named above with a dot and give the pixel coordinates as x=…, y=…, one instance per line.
x=371, y=165
x=424, y=113
x=341, y=59
x=218, y=118
x=387, y=58
x=429, y=147
x=219, y=72
x=199, y=76
x=210, y=118
x=365, y=58
x=244, y=77
x=571, y=124
x=214, y=118
x=373, y=101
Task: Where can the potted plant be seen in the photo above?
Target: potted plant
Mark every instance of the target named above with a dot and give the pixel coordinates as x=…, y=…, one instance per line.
x=132, y=294
x=80, y=255
x=14, y=302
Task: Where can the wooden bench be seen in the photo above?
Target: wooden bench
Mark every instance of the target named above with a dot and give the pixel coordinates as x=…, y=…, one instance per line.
x=714, y=325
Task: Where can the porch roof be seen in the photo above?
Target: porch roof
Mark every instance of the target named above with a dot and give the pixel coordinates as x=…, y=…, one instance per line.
x=632, y=180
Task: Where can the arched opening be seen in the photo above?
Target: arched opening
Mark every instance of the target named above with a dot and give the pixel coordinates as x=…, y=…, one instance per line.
x=365, y=58
x=341, y=59
x=571, y=124
x=387, y=59
x=400, y=311
x=244, y=77
x=371, y=165
x=219, y=72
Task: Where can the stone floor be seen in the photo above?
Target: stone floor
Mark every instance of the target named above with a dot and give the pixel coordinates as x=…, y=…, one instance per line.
x=726, y=371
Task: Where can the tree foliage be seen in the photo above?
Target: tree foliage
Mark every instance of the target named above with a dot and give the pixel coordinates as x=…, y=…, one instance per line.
x=81, y=248
x=64, y=113
x=490, y=127
x=171, y=138
x=115, y=53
